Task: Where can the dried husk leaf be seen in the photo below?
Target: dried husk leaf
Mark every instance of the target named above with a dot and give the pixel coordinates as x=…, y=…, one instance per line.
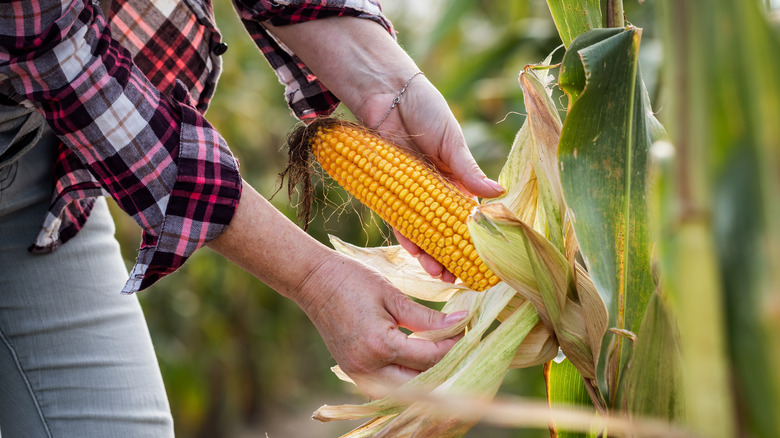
x=341, y=374
x=537, y=348
x=518, y=178
x=570, y=244
x=478, y=379
x=593, y=307
x=369, y=428
x=545, y=127
x=510, y=247
x=401, y=269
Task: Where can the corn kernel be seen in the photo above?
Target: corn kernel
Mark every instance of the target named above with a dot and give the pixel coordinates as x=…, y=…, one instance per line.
x=405, y=193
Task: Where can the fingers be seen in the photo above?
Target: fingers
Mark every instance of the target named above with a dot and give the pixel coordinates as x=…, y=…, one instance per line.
x=371, y=349
x=437, y=134
x=408, y=245
x=407, y=358
x=456, y=157
x=428, y=263
x=384, y=380
x=417, y=317
x=419, y=354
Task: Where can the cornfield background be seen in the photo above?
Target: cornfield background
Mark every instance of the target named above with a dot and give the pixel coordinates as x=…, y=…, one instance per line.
x=237, y=359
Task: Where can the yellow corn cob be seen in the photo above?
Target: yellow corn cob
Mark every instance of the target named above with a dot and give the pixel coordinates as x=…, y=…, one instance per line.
x=407, y=194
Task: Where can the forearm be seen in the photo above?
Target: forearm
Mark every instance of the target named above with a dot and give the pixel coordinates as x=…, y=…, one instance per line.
x=266, y=244
x=353, y=57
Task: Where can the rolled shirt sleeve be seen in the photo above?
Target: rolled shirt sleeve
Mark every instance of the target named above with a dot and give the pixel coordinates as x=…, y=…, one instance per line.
x=306, y=96
x=156, y=155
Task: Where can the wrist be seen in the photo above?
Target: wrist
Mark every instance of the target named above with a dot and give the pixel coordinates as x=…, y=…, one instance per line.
x=370, y=63
x=324, y=279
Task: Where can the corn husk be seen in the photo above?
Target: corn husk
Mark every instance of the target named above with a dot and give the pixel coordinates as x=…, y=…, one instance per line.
x=519, y=179
x=529, y=263
x=545, y=132
x=538, y=347
x=401, y=269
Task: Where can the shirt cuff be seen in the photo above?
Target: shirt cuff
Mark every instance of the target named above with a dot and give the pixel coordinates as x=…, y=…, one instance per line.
x=306, y=96
x=201, y=204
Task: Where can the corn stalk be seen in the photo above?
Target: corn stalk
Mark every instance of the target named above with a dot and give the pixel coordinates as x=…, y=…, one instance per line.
x=718, y=211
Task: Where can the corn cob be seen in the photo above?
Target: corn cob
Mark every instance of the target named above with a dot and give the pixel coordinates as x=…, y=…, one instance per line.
x=406, y=193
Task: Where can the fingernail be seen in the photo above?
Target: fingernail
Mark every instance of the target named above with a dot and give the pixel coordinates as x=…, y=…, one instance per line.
x=454, y=317
x=492, y=184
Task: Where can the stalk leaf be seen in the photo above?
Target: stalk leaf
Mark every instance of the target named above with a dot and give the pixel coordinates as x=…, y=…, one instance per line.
x=565, y=388
x=573, y=18
x=652, y=383
x=603, y=156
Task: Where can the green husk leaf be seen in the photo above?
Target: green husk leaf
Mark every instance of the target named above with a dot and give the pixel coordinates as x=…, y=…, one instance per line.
x=479, y=378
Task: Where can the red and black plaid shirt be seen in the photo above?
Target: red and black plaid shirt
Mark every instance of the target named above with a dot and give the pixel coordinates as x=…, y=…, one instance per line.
x=126, y=96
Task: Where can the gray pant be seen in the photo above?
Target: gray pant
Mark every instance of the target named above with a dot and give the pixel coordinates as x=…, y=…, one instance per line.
x=76, y=359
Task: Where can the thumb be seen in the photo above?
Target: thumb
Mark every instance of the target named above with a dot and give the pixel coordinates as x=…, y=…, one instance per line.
x=417, y=317
x=465, y=169
x=428, y=112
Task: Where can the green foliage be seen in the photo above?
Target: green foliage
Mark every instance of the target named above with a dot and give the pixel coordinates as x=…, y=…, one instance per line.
x=573, y=18
x=722, y=185
x=564, y=388
x=651, y=382
x=603, y=156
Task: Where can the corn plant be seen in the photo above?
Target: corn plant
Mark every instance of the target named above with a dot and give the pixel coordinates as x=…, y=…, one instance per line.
x=648, y=260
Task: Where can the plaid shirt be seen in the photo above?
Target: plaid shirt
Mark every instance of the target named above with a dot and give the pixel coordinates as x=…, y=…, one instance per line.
x=126, y=96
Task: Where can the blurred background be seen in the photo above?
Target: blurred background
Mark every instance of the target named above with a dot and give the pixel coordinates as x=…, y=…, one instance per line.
x=240, y=361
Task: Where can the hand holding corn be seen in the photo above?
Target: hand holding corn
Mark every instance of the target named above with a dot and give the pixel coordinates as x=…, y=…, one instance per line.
x=365, y=68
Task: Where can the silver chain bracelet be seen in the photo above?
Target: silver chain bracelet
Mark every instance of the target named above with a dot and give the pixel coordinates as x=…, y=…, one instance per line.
x=397, y=99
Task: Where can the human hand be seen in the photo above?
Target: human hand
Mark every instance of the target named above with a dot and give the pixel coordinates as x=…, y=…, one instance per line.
x=358, y=312
x=355, y=309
